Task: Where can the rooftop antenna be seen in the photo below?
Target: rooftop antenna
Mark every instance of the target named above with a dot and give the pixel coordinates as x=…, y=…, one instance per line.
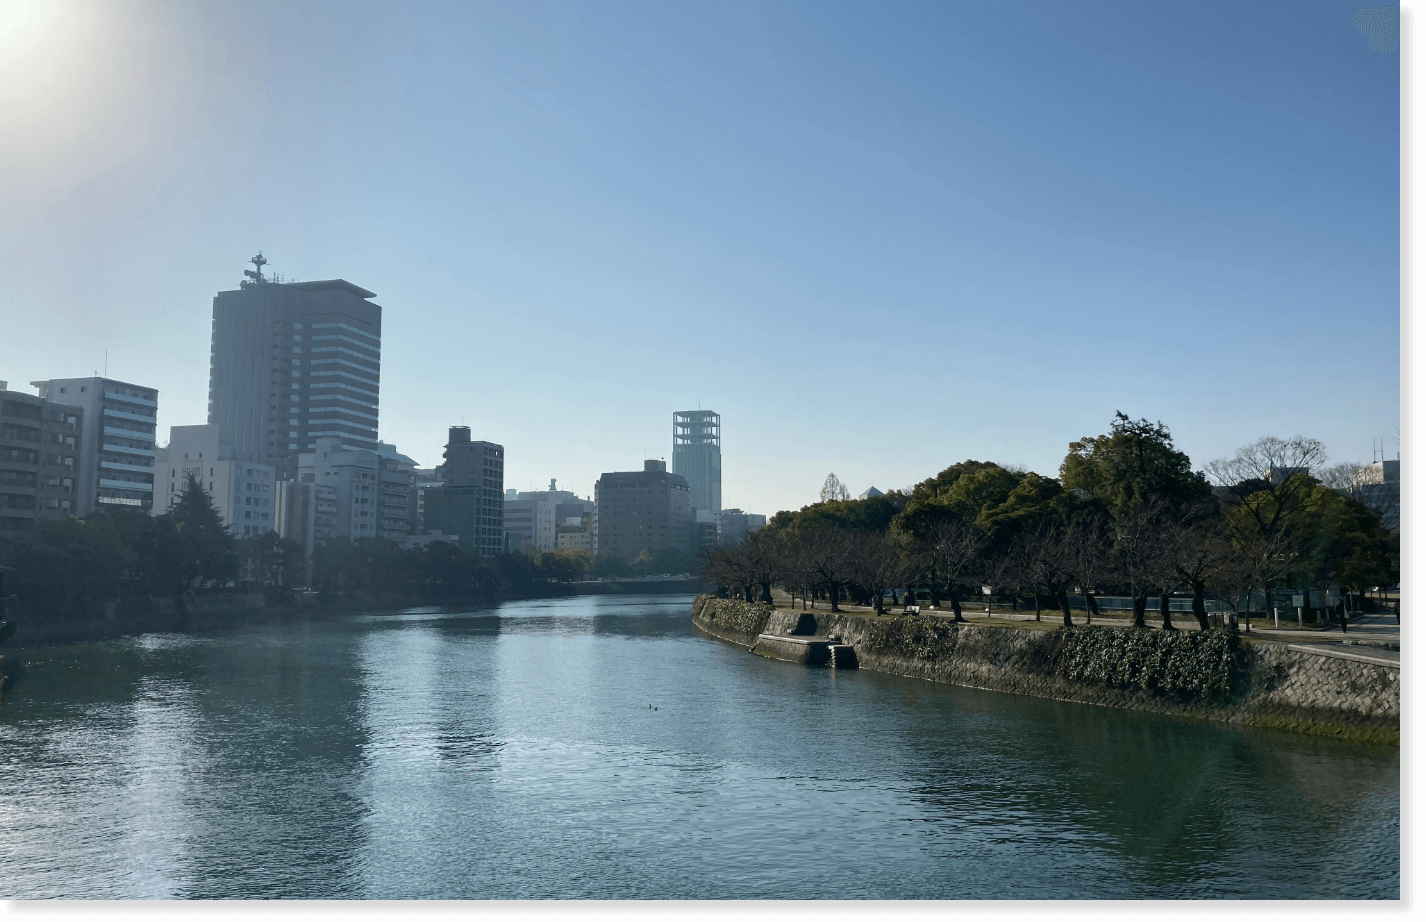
x=256, y=276
x=106, y=363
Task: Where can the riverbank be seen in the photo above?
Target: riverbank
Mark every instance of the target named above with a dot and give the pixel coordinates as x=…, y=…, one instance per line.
x=206, y=611
x=1212, y=675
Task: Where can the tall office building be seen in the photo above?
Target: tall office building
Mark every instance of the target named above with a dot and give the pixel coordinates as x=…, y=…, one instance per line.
x=39, y=460
x=116, y=449
x=698, y=456
x=293, y=362
x=470, y=503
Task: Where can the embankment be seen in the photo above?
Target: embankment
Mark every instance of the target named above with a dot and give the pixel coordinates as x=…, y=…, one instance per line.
x=1208, y=675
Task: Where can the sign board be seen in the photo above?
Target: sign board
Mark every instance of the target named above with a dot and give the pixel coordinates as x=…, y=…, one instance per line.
x=985, y=590
x=1297, y=601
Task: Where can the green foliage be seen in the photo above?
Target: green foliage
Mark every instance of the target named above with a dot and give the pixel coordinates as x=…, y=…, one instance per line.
x=564, y=566
x=961, y=491
x=66, y=569
x=209, y=551
x=745, y=617
x=1033, y=500
x=609, y=566
x=271, y=560
x=1187, y=665
x=873, y=514
x=1135, y=463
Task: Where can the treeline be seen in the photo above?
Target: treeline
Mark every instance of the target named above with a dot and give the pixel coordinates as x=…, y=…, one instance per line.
x=67, y=570
x=1128, y=516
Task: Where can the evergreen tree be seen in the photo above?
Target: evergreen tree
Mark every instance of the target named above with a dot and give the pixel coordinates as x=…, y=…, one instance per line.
x=209, y=552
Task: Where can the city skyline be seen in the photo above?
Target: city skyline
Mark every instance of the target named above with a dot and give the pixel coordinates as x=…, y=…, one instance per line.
x=866, y=224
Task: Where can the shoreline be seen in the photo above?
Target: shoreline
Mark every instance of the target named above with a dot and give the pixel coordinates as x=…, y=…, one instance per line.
x=1274, y=685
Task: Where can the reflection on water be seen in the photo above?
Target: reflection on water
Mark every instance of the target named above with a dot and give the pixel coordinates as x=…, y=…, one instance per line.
x=599, y=747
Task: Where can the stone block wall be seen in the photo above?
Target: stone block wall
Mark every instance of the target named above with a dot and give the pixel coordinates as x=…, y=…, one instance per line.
x=1272, y=686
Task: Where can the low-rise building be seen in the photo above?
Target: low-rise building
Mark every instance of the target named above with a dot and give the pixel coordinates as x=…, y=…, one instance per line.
x=1378, y=486
x=245, y=494
x=40, y=444
x=734, y=525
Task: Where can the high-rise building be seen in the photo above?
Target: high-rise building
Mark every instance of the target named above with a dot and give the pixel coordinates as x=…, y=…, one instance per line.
x=698, y=456
x=637, y=511
x=40, y=443
x=117, y=450
x=244, y=492
x=293, y=362
x=470, y=503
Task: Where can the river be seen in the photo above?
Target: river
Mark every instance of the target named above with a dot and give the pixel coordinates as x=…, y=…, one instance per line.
x=600, y=747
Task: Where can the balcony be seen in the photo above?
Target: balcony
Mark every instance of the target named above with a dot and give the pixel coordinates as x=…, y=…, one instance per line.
x=115, y=395
x=126, y=450
x=128, y=433
x=120, y=414
x=116, y=466
x=125, y=485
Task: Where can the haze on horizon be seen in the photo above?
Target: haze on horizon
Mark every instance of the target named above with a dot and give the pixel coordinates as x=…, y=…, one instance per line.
x=878, y=239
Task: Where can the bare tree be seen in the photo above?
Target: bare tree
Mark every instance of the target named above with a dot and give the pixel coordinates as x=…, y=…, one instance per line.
x=1044, y=561
x=1089, y=557
x=1190, y=548
x=951, y=550
x=763, y=554
x=833, y=490
x=1136, y=549
x=878, y=564
x=831, y=558
x=1268, y=485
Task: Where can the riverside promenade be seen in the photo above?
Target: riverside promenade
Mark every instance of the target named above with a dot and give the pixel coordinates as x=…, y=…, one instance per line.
x=1370, y=636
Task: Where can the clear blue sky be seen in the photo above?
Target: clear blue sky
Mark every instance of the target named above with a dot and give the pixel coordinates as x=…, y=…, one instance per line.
x=879, y=238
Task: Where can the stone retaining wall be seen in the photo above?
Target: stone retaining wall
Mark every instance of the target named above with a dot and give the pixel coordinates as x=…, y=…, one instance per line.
x=1272, y=686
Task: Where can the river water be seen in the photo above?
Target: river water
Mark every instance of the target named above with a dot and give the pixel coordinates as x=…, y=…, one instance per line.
x=600, y=747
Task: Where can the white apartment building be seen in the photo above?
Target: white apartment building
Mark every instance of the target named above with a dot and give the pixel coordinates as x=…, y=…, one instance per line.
x=244, y=493
x=353, y=474
x=533, y=519
x=116, y=447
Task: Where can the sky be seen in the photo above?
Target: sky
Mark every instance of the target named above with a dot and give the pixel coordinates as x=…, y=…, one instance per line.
x=878, y=238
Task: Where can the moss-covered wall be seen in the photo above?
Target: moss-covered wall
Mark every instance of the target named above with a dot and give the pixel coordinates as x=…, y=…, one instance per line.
x=1200, y=674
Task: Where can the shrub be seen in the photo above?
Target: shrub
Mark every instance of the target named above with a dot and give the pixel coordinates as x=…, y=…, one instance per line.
x=1179, y=664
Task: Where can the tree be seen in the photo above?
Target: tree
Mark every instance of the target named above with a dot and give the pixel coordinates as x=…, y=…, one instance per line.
x=272, y=560
x=831, y=558
x=833, y=491
x=878, y=563
x=208, y=550
x=1042, y=561
x=1134, y=462
x=949, y=550
x=66, y=568
x=1089, y=556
